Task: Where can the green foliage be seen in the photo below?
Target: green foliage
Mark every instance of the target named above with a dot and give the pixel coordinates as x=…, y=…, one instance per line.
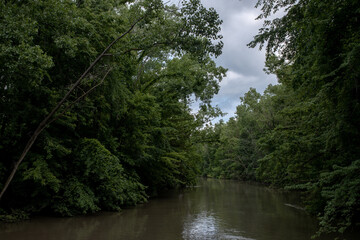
x=235, y=148
x=77, y=198
x=13, y=215
x=41, y=174
x=340, y=189
x=133, y=134
x=96, y=181
x=321, y=123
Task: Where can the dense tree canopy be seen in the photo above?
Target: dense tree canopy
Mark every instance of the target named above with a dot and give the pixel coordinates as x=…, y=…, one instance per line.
x=124, y=132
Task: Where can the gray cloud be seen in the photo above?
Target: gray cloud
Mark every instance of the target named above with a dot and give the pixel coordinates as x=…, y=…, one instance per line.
x=245, y=64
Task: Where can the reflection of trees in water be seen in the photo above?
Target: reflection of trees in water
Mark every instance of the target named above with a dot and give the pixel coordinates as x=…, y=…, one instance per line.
x=255, y=210
x=99, y=226
x=215, y=210
x=51, y=228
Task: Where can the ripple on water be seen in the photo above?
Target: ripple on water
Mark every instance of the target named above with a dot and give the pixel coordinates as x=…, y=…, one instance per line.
x=206, y=226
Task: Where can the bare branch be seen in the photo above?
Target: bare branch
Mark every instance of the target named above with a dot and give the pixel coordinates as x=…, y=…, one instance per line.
x=79, y=98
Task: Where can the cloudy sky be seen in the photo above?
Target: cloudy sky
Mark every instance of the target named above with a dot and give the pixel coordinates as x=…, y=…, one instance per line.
x=245, y=65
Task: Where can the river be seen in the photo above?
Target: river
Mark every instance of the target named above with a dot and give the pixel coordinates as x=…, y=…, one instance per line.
x=215, y=209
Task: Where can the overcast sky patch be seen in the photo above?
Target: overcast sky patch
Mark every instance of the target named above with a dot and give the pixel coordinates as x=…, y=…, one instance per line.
x=245, y=65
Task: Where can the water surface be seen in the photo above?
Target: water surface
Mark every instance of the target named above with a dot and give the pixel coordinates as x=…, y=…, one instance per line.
x=215, y=209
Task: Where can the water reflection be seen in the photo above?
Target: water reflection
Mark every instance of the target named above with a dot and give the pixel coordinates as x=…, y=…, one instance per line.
x=205, y=226
x=201, y=226
x=217, y=210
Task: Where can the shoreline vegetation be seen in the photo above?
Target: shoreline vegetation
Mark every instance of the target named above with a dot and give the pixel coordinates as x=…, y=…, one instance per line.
x=125, y=130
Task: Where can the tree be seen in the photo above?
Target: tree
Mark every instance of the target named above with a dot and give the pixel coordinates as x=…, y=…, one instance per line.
x=316, y=46
x=123, y=118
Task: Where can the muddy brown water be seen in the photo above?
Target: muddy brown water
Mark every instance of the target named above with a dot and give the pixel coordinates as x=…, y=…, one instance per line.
x=215, y=209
